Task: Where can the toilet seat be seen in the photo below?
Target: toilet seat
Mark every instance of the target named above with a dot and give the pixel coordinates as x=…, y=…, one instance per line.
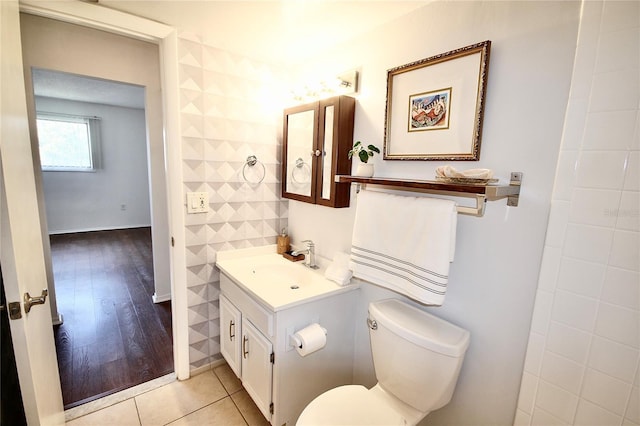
x=349, y=405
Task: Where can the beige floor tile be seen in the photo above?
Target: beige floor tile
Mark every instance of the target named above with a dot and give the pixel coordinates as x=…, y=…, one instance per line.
x=228, y=378
x=122, y=414
x=248, y=409
x=175, y=400
x=222, y=413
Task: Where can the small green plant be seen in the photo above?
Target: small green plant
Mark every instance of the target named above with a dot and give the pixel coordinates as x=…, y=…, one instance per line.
x=362, y=152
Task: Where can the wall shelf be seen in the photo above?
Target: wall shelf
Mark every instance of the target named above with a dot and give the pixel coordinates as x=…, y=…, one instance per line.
x=481, y=192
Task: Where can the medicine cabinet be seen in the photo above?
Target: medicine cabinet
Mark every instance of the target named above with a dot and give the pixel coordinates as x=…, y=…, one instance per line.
x=317, y=138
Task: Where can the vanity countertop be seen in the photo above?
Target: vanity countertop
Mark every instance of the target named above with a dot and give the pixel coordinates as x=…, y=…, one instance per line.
x=274, y=281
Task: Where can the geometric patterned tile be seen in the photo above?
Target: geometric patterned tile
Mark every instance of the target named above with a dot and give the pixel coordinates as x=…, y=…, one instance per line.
x=196, y=255
x=199, y=352
x=214, y=348
x=190, y=77
x=191, y=102
x=198, y=333
x=214, y=328
x=196, y=275
x=192, y=149
x=217, y=90
x=197, y=295
x=195, y=235
x=193, y=171
x=214, y=294
x=191, y=125
x=227, y=192
x=214, y=312
x=198, y=314
x=190, y=53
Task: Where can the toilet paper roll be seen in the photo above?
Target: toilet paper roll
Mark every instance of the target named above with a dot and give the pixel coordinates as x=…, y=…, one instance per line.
x=310, y=339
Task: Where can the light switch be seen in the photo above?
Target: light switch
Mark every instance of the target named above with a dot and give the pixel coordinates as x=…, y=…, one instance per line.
x=197, y=202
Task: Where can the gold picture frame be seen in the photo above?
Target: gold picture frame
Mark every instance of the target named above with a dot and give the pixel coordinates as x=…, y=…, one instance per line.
x=435, y=106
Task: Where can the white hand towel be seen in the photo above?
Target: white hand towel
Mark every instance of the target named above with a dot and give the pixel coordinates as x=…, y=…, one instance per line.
x=450, y=172
x=339, y=271
x=404, y=243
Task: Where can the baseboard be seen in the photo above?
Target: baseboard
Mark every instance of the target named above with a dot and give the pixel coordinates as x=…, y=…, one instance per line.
x=102, y=228
x=207, y=367
x=161, y=298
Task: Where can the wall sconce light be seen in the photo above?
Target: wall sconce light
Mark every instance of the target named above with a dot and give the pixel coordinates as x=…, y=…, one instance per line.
x=345, y=83
x=348, y=82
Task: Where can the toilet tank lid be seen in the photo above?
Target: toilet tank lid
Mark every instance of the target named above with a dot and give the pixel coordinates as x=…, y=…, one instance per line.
x=420, y=327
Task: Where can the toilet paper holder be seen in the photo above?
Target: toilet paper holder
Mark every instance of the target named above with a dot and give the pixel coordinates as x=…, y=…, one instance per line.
x=309, y=343
x=294, y=342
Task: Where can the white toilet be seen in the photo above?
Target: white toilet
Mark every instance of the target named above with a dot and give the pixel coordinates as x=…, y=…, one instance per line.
x=417, y=358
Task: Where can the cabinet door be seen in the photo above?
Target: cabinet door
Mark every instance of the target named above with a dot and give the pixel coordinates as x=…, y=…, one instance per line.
x=299, y=152
x=257, y=370
x=230, y=334
x=335, y=139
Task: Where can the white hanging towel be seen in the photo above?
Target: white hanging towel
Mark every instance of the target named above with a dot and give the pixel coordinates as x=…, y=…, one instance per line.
x=404, y=243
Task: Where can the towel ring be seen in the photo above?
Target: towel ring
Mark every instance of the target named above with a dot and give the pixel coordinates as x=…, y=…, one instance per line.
x=299, y=167
x=252, y=160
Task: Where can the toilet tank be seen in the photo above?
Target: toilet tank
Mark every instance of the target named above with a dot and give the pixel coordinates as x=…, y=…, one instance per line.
x=417, y=356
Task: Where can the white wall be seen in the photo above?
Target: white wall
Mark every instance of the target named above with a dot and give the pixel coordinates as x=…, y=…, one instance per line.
x=582, y=360
x=493, y=278
x=77, y=202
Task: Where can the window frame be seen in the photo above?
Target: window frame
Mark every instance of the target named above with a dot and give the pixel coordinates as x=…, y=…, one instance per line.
x=93, y=133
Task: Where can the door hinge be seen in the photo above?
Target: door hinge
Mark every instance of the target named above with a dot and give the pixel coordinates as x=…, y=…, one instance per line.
x=272, y=358
x=173, y=242
x=271, y=408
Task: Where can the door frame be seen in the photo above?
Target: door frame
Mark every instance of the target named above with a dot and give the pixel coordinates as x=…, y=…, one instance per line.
x=101, y=18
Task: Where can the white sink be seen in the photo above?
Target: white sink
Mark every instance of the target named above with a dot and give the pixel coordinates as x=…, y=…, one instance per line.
x=275, y=281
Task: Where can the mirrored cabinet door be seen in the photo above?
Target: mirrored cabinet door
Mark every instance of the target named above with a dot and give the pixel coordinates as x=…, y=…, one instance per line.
x=300, y=134
x=327, y=150
x=312, y=157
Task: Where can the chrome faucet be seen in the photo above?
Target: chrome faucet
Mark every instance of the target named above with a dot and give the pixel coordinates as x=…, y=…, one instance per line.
x=310, y=260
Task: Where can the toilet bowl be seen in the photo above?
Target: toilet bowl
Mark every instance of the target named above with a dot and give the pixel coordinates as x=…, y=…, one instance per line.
x=417, y=358
x=349, y=405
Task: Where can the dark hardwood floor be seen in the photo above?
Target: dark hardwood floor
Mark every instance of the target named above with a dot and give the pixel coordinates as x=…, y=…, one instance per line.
x=113, y=336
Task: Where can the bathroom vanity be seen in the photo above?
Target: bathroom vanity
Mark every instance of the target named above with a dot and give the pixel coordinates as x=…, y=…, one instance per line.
x=264, y=300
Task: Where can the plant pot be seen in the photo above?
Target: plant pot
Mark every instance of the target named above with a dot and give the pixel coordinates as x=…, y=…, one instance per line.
x=364, y=170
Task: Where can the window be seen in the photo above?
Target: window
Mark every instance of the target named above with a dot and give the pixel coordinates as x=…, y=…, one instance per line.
x=68, y=143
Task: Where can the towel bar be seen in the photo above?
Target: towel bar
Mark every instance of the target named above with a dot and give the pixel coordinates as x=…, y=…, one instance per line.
x=481, y=193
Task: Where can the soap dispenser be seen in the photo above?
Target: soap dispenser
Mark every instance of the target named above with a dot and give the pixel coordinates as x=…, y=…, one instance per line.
x=283, y=242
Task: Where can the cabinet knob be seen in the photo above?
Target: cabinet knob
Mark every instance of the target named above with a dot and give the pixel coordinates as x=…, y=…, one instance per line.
x=318, y=153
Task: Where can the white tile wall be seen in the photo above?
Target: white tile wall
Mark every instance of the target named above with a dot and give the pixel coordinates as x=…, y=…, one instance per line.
x=227, y=114
x=582, y=363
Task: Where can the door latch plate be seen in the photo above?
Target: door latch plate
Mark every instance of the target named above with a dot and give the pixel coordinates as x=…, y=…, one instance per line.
x=15, y=312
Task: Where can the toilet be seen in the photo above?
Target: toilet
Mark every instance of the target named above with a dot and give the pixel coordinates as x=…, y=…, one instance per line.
x=417, y=358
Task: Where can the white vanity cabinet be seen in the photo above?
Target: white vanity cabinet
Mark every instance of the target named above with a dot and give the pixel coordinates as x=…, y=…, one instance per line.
x=255, y=341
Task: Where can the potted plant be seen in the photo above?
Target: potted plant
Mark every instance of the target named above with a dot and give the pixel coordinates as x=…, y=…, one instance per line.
x=364, y=169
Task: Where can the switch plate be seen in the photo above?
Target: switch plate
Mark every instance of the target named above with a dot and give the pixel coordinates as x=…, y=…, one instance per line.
x=197, y=202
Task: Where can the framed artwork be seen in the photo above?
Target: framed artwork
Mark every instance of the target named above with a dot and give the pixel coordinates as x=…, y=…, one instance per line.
x=435, y=106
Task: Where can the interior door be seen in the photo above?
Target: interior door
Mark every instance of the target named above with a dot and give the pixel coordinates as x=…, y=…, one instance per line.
x=21, y=249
